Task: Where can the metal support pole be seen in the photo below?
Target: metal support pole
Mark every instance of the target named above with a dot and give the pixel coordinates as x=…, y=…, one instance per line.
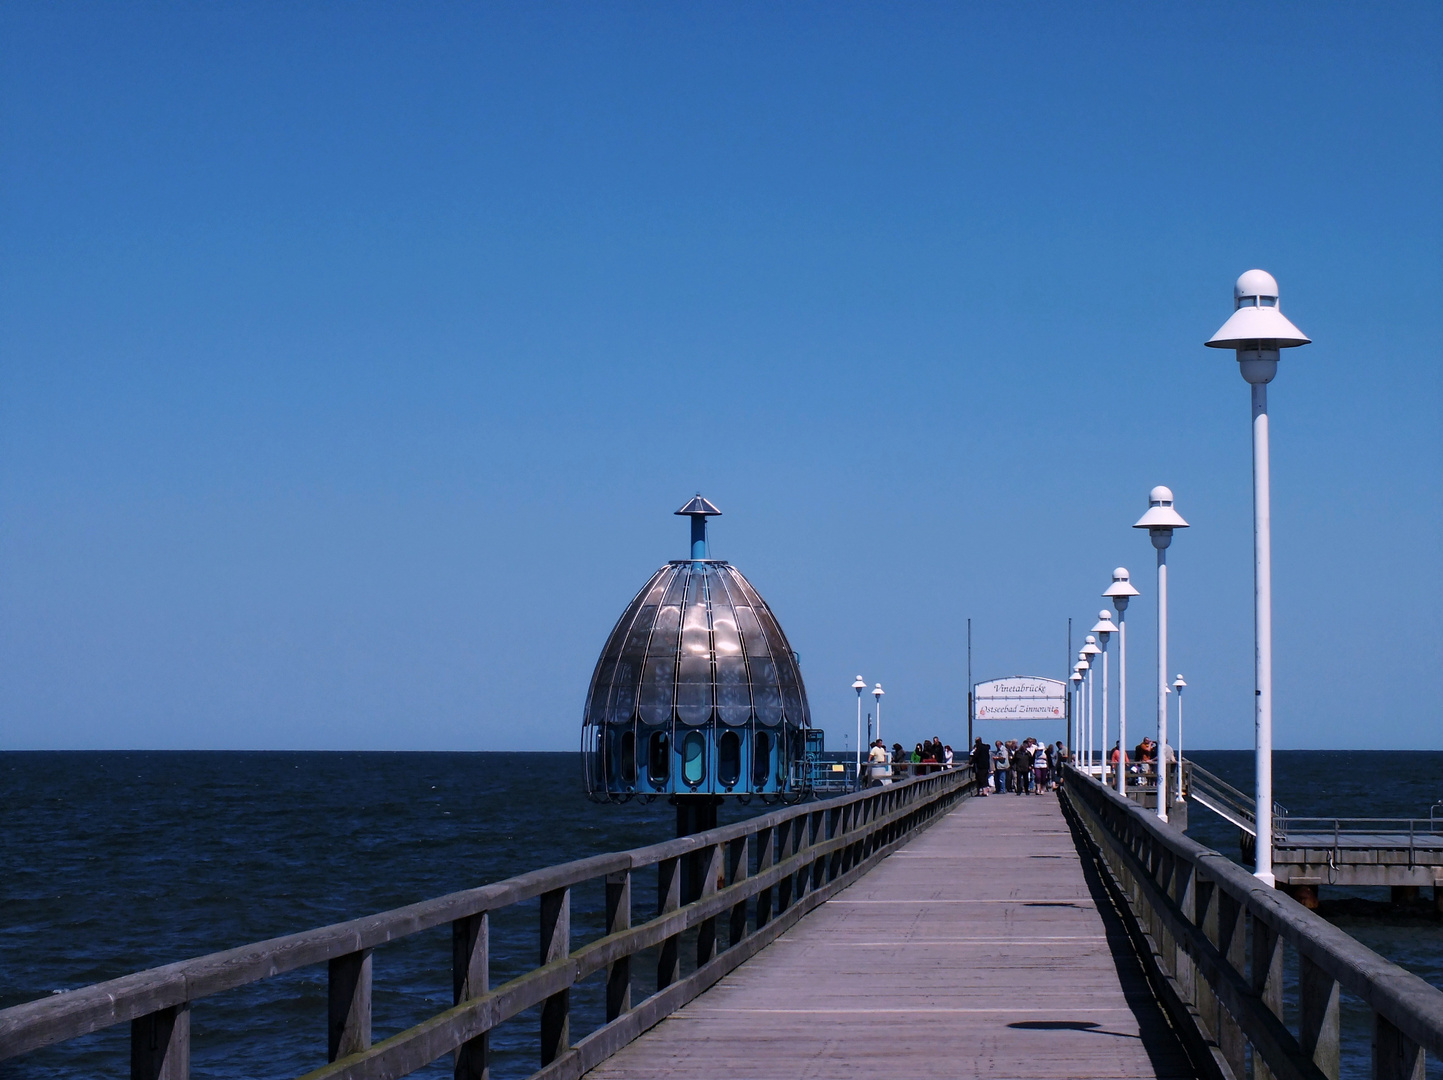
x=1263, y=634
x=1162, y=803
x=1105, y=749
x=1121, y=701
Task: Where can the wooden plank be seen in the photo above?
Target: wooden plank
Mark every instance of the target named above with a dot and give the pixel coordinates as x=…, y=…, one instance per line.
x=895, y=977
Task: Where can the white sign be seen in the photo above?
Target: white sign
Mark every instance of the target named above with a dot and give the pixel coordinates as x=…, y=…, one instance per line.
x=1020, y=698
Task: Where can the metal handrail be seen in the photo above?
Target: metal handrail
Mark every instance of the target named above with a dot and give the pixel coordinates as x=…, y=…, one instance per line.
x=1213, y=934
x=1228, y=802
x=1342, y=826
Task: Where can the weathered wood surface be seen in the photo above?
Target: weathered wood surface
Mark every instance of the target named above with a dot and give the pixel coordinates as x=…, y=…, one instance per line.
x=979, y=949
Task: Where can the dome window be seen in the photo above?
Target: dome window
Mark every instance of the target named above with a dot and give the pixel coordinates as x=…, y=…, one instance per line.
x=693, y=758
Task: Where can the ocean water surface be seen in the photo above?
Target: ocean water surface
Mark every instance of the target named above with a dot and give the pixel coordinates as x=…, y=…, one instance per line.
x=111, y=862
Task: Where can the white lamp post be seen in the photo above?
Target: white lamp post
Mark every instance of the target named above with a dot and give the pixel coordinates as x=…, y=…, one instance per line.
x=1159, y=521
x=1089, y=653
x=1079, y=669
x=1177, y=685
x=1121, y=591
x=1076, y=679
x=1082, y=735
x=1257, y=331
x=877, y=694
x=859, y=686
x=1104, y=629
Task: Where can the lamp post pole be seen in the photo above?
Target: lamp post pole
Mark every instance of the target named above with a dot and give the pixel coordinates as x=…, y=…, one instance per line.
x=1160, y=521
x=1104, y=629
x=1121, y=591
x=1257, y=331
x=1178, y=685
x=877, y=693
x=859, y=686
x=1089, y=653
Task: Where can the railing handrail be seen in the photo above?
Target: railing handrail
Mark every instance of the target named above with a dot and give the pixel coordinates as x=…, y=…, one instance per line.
x=57, y=1018
x=1409, y=1003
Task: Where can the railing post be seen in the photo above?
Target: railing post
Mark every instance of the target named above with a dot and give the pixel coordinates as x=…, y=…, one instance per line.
x=709, y=861
x=738, y=856
x=1395, y=1056
x=786, y=846
x=555, y=945
x=348, y=1028
x=818, y=866
x=668, y=899
x=834, y=830
x=618, y=918
x=1232, y=943
x=1318, y=1016
x=160, y=1044
x=766, y=843
x=1267, y=978
x=470, y=978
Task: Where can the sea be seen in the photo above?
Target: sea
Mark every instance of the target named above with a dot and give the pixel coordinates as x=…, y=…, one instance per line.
x=111, y=862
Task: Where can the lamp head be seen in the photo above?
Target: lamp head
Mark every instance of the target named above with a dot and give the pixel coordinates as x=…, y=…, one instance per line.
x=1121, y=590
x=1090, y=649
x=859, y=685
x=1074, y=677
x=1178, y=683
x=1257, y=329
x=1161, y=519
x=878, y=692
x=1105, y=626
x=1079, y=667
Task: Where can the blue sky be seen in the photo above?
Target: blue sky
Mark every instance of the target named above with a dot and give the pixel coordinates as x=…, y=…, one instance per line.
x=354, y=356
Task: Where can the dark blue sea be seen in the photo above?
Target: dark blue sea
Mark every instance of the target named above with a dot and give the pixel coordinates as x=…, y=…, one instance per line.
x=111, y=862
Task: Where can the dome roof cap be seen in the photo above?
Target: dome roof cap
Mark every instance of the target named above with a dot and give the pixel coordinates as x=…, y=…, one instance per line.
x=699, y=507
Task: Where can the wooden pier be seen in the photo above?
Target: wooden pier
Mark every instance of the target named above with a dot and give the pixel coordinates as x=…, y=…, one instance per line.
x=981, y=948
x=904, y=931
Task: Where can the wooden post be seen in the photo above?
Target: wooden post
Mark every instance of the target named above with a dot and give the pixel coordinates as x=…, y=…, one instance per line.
x=1185, y=893
x=766, y=842
x=668, y=898
x=1395, y=1056
x=618, y=918
x=834, y=830
x=786, y=832
x=160, y=1044
x=737, y=858
x=1318, y=1012
x=348, y=1029
x=709, y=860
x=470, y=978
x=555, y=945
x=1232, y=943
x=1267, y=978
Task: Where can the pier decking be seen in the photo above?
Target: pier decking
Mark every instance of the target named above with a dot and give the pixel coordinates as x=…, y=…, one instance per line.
x=982, y=948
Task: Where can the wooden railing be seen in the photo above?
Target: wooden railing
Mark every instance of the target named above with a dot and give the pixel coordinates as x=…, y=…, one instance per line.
x=754, y=878
x=1217, y=938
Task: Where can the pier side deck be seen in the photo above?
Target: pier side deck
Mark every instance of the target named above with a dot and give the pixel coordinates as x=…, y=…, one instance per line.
x=982, y=948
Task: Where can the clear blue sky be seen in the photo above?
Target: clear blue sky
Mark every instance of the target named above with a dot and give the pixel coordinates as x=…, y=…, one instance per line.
x=353, y=357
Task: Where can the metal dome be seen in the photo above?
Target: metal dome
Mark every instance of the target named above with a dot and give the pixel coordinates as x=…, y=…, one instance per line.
x=697, y=644
x=697, y=690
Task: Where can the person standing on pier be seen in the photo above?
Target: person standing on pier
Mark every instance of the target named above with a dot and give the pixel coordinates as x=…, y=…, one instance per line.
x=1021, y=768
x=981, y=767
x=1000, y=763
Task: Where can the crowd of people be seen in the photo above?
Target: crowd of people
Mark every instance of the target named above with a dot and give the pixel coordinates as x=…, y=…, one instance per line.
x=930, y=756
x=1025, y=768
